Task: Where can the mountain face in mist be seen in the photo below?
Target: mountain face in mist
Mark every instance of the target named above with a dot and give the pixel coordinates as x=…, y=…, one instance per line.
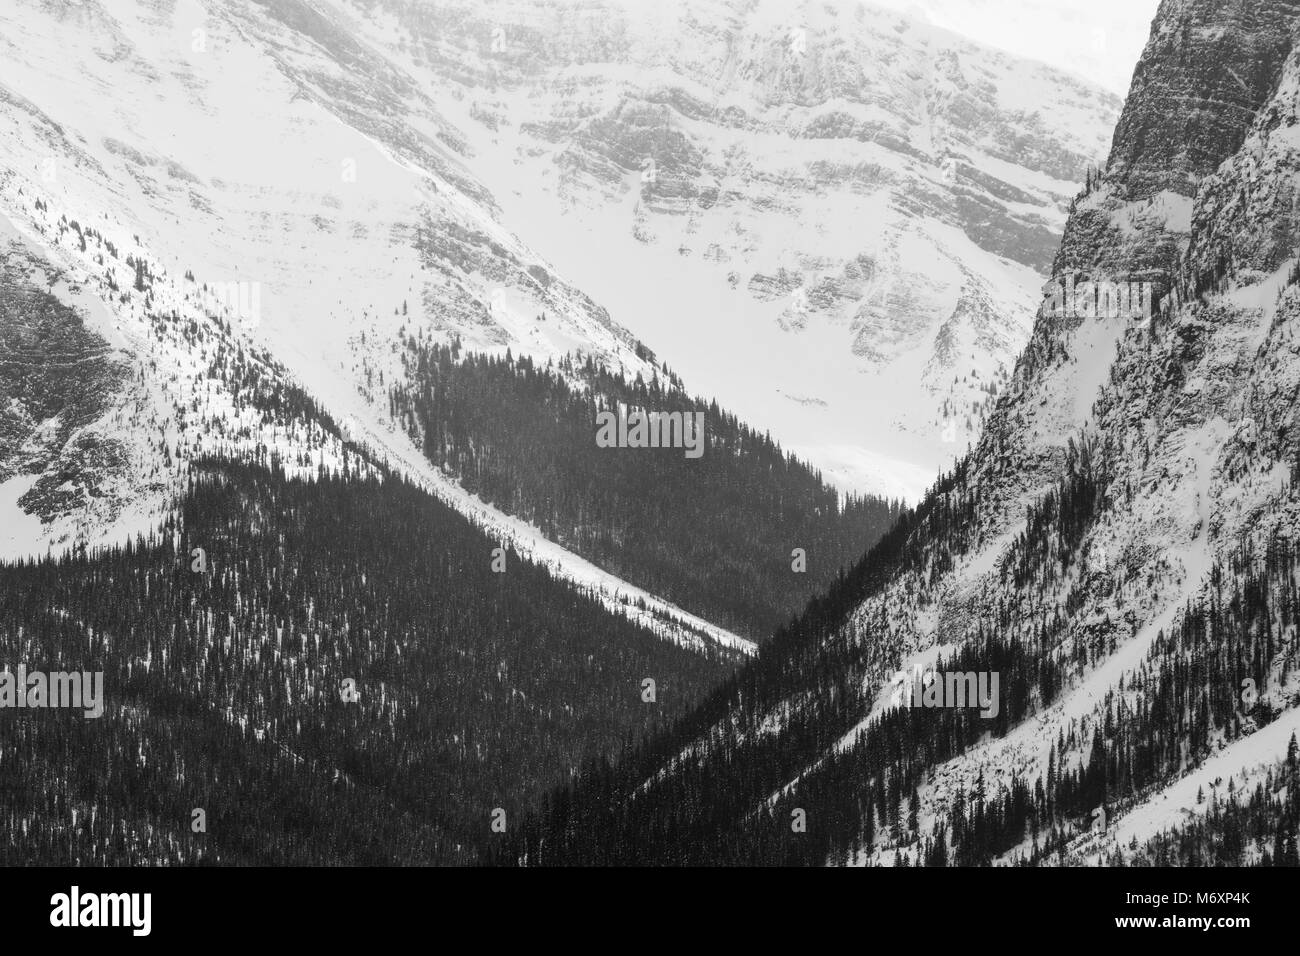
x=1119, y=550
x=836, y=217
x=1098, y=41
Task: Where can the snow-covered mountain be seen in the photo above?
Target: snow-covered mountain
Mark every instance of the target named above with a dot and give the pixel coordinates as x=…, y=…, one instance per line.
x=199, y=195
x=1120, y=547
x=119, y=374
x=299, y=184
x=254, y=145
x=835, y=217
x=224, y=224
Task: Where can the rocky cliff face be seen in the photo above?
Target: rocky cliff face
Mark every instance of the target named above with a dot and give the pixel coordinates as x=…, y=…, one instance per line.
x=57, y=379
x=1206, y=70
x=1190, y=412
x=1185, y=115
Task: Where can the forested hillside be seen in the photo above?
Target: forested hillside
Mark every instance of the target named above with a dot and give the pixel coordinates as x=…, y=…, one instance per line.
x=226, y=641
x=724, y=799
x=715, y=534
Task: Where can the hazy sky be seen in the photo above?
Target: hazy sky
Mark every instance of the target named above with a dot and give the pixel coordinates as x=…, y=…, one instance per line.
x=1098, y=39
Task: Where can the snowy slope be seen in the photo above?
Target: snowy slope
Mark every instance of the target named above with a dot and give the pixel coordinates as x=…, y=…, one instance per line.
x=252, y=157
x=835, y=218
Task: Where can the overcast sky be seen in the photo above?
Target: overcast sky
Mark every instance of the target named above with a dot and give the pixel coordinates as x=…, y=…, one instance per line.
x=1098, y=39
